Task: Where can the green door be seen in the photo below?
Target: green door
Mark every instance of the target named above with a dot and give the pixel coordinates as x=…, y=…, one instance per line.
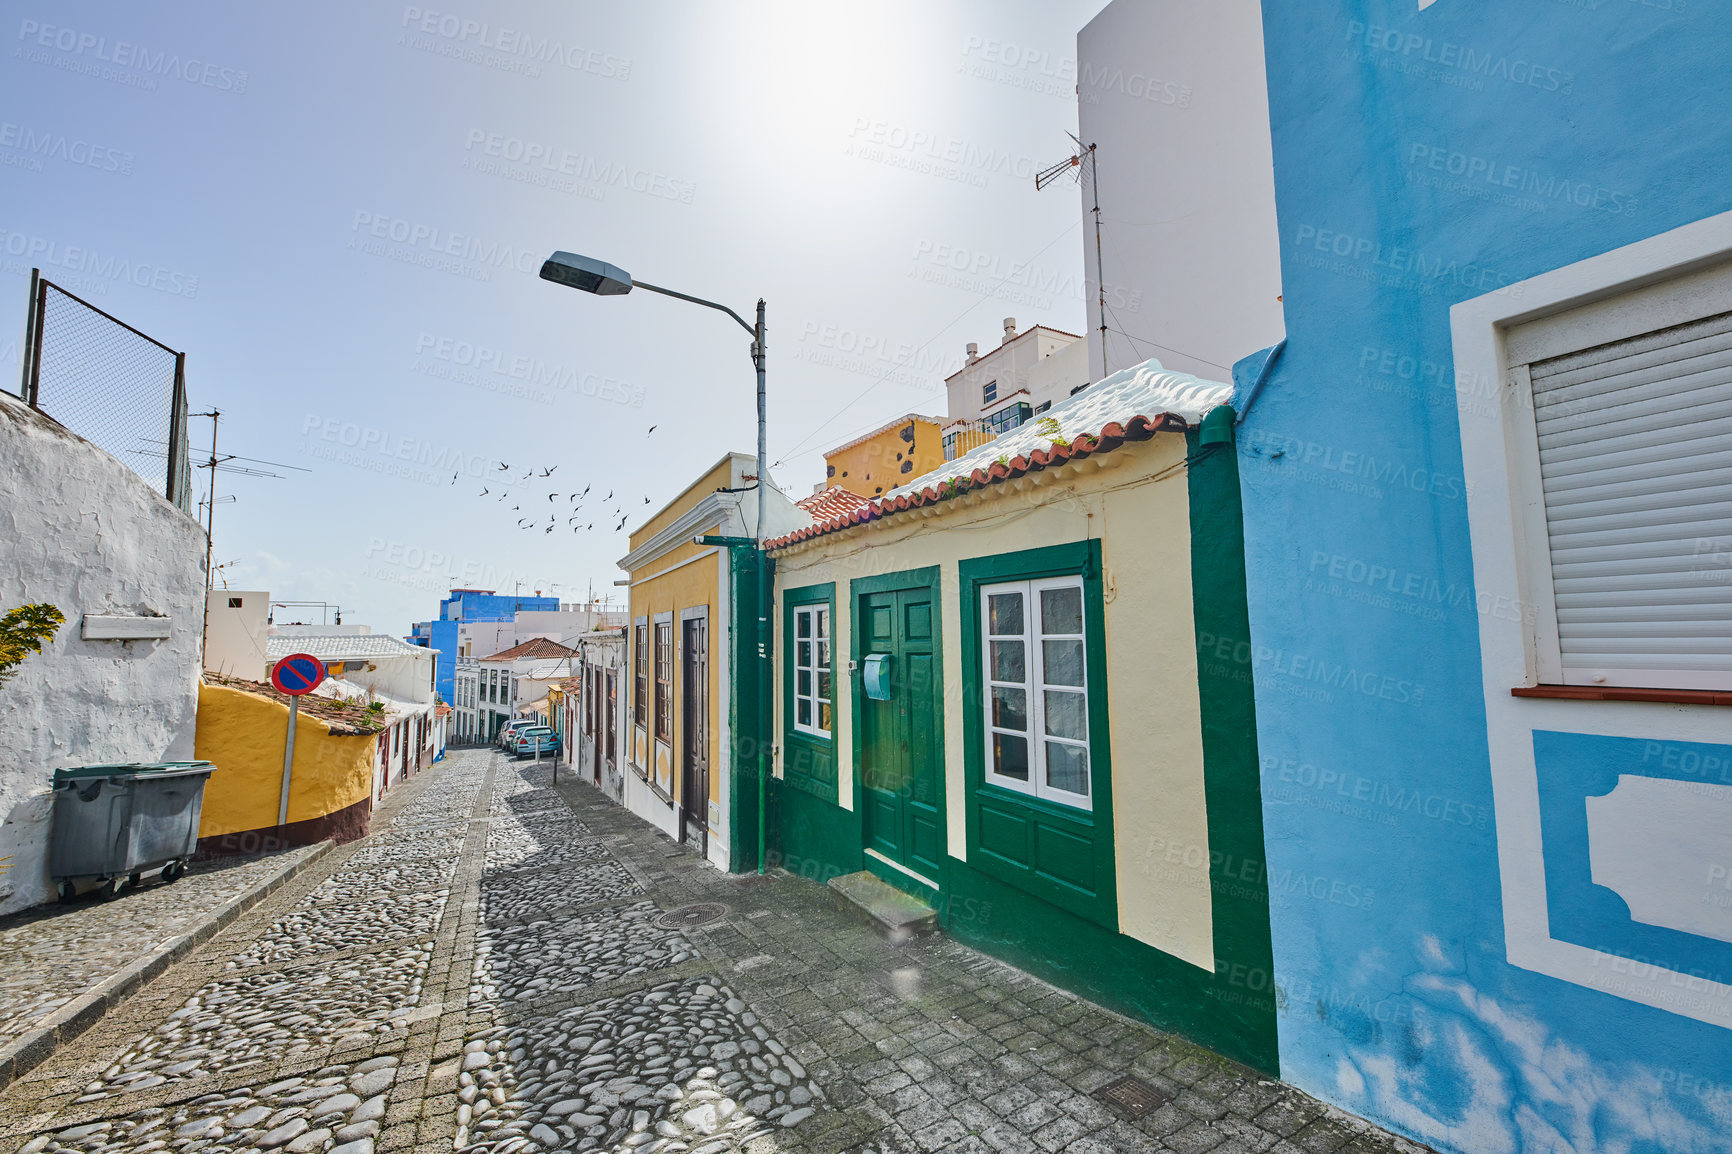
x=899, y=742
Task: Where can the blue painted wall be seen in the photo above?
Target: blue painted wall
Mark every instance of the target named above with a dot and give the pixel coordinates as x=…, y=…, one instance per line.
x=478, y=605
x=1423, y=158
x=442, y=636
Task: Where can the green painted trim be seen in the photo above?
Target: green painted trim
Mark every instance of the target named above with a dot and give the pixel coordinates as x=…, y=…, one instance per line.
x=814, y=839
x=800, y=747
x=1231, y=774
x=1072, y=558
x=930, y=578
x=748, y=724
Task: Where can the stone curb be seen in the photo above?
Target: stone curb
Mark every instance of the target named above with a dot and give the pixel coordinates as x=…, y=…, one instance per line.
x=34, y=1047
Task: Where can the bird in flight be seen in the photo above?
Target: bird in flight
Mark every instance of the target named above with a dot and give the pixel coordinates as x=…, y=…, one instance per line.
x=653, y=428
x=551, y=496
x=609, y=496
x=585, y=492
x=503, y=466
x=483, y=492
x=454, y=478
x=646, y=500
x=548, y=472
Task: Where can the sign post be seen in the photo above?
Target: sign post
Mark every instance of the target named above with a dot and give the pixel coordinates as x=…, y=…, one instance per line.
x=297, y=674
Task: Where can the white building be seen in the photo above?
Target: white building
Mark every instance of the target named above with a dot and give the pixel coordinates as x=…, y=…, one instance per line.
x=995, y=392
x=510, y=681
x=236, y=623
x=1175, y=99
x=118, y=682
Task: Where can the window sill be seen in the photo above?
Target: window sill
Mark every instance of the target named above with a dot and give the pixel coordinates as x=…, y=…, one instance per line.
x=1624, y=693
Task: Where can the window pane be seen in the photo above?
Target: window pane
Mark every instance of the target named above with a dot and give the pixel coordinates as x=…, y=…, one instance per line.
x=1005, y=612
x=1067, y=767
x=1007, y=661
x=823, y=655
x=823, y=616
x=1010, y=756
x=803, y=654
x=1061, y=610
x=803, y=711
x=824, y=685
x=824, y=716
x=802, y=623
x=1062, y=662
x=803, y=686
x=1009, y=708
x=1067, y=715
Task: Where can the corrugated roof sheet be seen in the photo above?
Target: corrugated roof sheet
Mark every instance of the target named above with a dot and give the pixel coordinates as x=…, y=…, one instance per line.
x=340, y=647
x=832, y=503
x=1130, y=405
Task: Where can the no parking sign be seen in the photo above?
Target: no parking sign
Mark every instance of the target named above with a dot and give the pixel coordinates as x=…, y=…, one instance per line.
x=298, y=673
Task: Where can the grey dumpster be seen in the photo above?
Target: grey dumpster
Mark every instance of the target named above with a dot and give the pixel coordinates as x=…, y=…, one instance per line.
x=112, y=823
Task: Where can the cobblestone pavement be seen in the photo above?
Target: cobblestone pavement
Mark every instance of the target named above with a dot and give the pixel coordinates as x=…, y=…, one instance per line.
x=489, y=972
x=55, y=953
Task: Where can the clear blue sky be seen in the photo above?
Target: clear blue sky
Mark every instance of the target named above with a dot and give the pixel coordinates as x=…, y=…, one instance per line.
x=365, y=192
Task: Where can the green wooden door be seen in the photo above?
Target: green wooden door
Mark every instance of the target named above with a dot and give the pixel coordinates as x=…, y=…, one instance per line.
x=899, y=740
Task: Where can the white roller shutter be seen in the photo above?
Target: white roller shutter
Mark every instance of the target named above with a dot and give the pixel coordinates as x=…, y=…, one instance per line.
x=1635, y=454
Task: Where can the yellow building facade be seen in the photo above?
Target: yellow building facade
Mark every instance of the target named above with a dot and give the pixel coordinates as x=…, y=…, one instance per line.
x=887, y=457
x=241, y=731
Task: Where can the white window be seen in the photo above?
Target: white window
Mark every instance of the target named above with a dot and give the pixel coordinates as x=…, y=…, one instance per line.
x=1629, y=494
x=812, y=684
x=1037, y=717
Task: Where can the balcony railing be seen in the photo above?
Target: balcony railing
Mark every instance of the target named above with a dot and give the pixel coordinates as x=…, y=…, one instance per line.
x=963, y=436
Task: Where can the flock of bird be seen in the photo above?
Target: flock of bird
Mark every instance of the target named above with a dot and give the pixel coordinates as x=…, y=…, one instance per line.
x=608, y=507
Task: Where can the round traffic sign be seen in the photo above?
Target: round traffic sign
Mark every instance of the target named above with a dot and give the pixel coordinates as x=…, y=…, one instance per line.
x=298, y=673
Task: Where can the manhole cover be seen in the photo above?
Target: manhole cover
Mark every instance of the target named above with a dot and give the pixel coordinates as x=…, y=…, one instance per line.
x=697, y=914
x=1134, y=1096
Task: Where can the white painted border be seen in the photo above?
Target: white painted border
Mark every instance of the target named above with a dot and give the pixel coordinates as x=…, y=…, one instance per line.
x=1495, y=447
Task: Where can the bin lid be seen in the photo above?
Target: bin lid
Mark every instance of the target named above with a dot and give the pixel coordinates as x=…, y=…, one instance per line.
x=134, y=769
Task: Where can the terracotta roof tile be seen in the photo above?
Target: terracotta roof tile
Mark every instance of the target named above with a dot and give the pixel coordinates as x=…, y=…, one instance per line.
x=832, y=503
x=534, y=647
x=344, y=719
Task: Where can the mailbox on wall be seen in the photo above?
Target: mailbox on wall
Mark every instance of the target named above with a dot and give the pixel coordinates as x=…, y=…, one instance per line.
x=876, y=675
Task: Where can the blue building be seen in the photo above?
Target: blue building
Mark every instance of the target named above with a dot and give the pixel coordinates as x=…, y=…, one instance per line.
x=1488, y=519
x=467, y=605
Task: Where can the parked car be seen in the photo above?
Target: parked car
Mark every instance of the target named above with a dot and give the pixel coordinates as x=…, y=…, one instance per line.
x=540, y=738
x=510, y=730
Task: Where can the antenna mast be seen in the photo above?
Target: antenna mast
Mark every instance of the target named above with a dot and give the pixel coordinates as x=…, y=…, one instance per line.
x=1072, y=165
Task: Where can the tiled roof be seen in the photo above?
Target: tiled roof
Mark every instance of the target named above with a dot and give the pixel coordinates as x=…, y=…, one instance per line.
x=339, y=647
x=1130, y=405
x=832, y=503
x=534, y=647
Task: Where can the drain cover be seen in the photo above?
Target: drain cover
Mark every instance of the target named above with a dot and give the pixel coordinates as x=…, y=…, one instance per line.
x=1134, y=1097
x=697, y=914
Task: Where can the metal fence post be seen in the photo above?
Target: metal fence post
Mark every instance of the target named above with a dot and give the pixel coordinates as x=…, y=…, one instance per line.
x=30, y=352
x=179, y=484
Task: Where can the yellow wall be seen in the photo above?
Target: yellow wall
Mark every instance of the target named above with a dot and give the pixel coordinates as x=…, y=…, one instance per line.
x=686, y=577
x=874, y=466
x=1160, y=820
x=242, y=735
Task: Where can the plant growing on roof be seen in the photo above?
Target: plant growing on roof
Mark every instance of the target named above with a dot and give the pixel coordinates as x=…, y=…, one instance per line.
x=23, y=631
x=1050, y=429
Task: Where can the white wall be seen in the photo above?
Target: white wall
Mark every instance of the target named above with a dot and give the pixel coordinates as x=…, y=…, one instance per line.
x=1009, y=363
x=81, y=531
x=1176, y=98
x=234, y=636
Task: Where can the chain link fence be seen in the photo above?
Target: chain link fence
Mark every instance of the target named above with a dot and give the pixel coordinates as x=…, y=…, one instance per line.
x=116, y=387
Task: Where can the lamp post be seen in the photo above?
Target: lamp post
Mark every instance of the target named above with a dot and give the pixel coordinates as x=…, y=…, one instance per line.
x=602, y=279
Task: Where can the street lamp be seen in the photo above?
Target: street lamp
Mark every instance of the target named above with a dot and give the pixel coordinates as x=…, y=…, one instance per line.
x=602, y=279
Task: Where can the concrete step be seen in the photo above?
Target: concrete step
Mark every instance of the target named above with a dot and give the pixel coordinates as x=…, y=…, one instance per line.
x=894, y=914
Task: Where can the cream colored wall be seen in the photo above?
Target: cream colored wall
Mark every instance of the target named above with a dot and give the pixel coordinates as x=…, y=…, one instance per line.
x=1160, y=820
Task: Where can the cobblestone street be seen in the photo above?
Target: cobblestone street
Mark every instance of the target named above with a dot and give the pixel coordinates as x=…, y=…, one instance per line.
x=499, y=967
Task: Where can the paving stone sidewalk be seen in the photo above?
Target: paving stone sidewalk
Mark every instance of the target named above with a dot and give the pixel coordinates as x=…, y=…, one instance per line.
x=57, y=953
x=507, y=966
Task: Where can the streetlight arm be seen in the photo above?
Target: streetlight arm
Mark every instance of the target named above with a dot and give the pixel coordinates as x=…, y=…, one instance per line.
x=697, y=301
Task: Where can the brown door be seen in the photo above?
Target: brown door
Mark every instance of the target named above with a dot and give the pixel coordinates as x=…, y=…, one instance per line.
x=592, y=678
x=610, y=715
x=695, y=727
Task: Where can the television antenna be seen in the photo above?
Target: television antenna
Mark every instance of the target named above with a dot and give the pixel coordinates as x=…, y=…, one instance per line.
x=1072, y=166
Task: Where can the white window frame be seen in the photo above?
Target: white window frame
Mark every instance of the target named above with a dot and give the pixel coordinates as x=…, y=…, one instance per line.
x=818, y=614
x=1614, y=310
x=1496, y=433
x=1034, y=687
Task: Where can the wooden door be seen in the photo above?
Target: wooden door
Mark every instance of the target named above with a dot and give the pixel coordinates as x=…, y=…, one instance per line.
x=898, y=737
x=610, y=720
x=695, y=721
